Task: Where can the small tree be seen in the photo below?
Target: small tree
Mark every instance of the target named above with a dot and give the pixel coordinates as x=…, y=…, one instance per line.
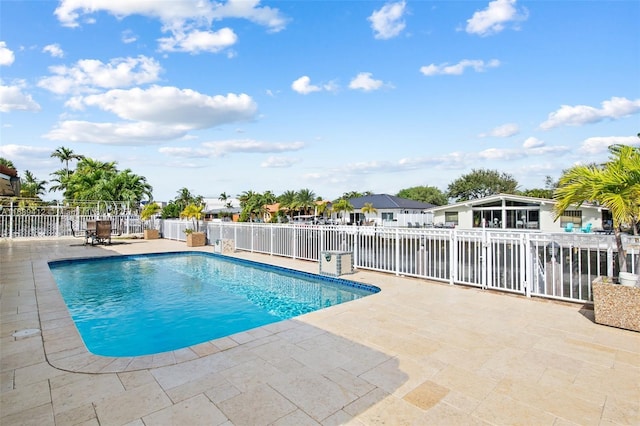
x=481, y=183
x=368, y=208
x=614, y=185
x=149, y=212
x=342, y=205
x=194, y=213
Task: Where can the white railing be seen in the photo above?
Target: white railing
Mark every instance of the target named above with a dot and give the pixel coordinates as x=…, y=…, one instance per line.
x=551, y=265
x=63, y=224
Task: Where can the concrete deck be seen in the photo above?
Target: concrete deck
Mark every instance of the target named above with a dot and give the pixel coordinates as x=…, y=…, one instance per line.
x=416, y=353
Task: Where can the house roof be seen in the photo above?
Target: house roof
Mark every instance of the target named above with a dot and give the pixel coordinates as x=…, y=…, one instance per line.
x=512, y=197
x=386, y=201
x=8, y=171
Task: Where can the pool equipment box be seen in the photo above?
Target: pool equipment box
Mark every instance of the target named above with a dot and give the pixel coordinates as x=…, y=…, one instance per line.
x=224, y=246
x=336, y=263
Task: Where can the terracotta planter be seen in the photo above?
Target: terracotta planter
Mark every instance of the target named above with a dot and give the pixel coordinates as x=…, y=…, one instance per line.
x=196, y=239
x=151, y=234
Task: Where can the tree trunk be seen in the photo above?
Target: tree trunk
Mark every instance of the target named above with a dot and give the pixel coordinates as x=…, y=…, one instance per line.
x=622, y=254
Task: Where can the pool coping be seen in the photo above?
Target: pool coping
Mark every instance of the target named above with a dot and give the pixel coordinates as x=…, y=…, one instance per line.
x=64, y=348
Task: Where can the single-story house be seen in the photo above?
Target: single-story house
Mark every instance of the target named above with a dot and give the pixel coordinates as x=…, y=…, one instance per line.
x=324, y=206
x=507, y=211
x=389, y=209
x=218, y=209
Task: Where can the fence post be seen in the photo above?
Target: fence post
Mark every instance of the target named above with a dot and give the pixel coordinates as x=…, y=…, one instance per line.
x=294, y=251
x=397, y=253
x=356, y=242
x=271, y=239
x=610, y=263
x=526, y=273
x=11, y=219
x=453, y=255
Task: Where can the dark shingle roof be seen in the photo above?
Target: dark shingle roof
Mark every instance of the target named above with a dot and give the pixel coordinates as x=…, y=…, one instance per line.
x=386, y=201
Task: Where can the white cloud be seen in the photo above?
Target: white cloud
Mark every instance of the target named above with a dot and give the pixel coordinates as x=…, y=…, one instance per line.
x=54, y=50
x=153, y=115
x=532, y=147
x=600, y=144
x=128, y=36
x=246, y=146
x=199, y=41
x=140, y=133
x=219, y=149
x=6, y=55
x=578, y=115
x=12, y=98
x=24, y=151
x=87, y=75
x=278, y=162
x=249, y=9
x=504, y=131
x=188, y=21
x=303, y=86
x=494, y=18
x=457, y=69
x=387, y=22
x=365, y=81
x=532, y=142
x=171, y=106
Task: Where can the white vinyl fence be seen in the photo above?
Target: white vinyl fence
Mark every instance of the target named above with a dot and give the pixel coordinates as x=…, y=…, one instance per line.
x=18, y=221
x=551, y=265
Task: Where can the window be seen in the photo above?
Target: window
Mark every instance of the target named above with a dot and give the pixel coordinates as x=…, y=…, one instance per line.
x=451, y=218
x=387, y=216
x=571, y=216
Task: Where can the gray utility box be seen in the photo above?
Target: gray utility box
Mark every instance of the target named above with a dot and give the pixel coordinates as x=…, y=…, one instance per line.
x=336, y=263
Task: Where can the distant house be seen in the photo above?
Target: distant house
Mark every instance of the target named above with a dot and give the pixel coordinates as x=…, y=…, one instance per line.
x=271, y=211
x=506, y=211
x=388, y=209
x=9, y=182
x=223, y=210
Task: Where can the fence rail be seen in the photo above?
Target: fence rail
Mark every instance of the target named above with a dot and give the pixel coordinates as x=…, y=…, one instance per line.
x=550, y=265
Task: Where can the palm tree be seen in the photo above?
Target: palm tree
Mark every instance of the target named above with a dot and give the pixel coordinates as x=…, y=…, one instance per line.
x=185, y=197
x=615, y=185
x=342, y=205
x=31, y=187
x=287, y=202
x=65, y=155
x=193, y=212
x=368, y=208
x=305, y=200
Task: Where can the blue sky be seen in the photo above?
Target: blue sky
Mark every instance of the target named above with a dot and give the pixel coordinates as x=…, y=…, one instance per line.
x=333, y=96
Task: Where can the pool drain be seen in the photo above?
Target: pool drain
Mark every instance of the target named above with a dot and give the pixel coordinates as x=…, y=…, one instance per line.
x=26, y=333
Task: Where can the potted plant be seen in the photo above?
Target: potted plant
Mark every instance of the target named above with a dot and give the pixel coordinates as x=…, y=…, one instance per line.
x=194, y=212
x=148, y=215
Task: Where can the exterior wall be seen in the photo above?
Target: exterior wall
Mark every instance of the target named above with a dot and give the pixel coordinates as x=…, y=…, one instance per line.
x=548, y=222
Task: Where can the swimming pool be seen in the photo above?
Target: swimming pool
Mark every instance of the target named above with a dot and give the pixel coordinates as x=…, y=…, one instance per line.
x=146, y=304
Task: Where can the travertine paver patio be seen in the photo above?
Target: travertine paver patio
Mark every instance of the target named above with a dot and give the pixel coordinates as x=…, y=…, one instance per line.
x=416, y=353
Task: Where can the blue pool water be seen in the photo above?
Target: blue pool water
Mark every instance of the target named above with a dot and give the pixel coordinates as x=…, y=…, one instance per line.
x=147, y=304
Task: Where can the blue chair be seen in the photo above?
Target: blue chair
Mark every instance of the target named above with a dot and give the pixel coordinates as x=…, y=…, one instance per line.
x=587, y=228
x=568, y=227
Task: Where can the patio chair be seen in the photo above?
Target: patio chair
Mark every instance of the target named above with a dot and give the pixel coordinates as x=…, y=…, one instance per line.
x=586, y=229
x=568, y=227
x=102, y=232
